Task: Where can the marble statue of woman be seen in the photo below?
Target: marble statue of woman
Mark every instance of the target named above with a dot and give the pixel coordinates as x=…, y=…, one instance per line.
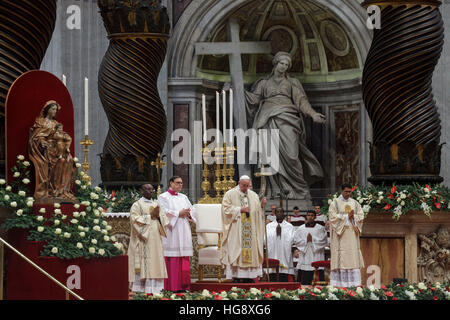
x=49, y=151
x=279, y=102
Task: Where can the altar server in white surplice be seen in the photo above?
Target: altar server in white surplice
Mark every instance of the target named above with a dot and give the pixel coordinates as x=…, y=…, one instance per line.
x=243, y=233
x=146, y=266
x=311, y=240
x=280, y=236
x=178, y=244
x=346, y=221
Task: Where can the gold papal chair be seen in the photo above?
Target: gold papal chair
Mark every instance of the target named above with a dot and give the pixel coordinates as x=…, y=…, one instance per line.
x=209, y=232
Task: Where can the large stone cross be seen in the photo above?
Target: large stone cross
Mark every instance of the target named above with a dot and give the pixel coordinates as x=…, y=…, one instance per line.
x=234, y=49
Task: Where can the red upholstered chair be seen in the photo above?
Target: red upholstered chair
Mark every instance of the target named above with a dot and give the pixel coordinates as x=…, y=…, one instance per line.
x=272, y=263
x=317, y=264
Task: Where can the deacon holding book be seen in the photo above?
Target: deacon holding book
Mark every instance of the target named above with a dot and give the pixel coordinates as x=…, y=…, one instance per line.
x=146, y=267
x=243, y=233
x=346, y=221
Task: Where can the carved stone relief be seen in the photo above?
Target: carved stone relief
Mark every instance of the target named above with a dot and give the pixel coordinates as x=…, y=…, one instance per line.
x=434, y=256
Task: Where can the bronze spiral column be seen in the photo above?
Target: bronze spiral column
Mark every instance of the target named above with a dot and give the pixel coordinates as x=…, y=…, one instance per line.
x=127, y=83
x=397, y=92
x=26, y=27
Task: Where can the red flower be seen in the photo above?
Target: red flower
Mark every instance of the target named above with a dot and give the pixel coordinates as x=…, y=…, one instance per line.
x=354, y=188
x=389, y=294
x=268, y=295
x=345, y=289
x=213, y=293
x=387, y=207
x=313, y=294
x=302, y=297
x=383, y=287
x=390, y=196
x=180, y=294
x=113, y=194
x=437, y=205
x=393, y=189
x=428, y=187
x=394, y=298
x=218, y=297
x=352, y=293
x=165, y=299
x=149, y=294
x=436, y=298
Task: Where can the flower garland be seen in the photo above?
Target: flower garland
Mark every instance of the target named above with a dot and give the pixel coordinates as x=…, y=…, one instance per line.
x=398, y=200
x=85, y=235
x=392, y=291
x=122, y=200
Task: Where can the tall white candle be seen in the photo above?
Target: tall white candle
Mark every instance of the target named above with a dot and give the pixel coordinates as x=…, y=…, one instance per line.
x=204, y=117
x=224, y=115
x=217, y=118
x=231, y=117
x=86, y=114
x=64, y=80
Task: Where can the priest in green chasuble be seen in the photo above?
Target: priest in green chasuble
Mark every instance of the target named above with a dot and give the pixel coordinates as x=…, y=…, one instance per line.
x=243, y=233
x=346, y=221
x=146, y=266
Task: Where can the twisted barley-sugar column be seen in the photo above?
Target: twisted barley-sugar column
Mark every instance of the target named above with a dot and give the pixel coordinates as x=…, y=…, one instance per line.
x=26, y=27
x=128, y=91
x=397, y=74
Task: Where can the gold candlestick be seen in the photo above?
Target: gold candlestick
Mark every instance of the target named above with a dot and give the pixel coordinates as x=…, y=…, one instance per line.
x=86, y=143
x=218, y=173
x=230, y=171
x=158, y=164
x=224, y=171
x=205, y=183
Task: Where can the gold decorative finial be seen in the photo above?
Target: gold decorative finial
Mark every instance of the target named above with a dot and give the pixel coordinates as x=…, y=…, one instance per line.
x=86, y=143
x=158, y=164
x=205, y=183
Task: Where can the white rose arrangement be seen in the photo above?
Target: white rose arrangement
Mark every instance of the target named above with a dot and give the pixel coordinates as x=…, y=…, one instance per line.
x=61, y=232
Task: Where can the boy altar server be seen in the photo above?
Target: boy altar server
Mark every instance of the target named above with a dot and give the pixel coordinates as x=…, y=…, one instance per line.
x=311, y=240
x=280, y=236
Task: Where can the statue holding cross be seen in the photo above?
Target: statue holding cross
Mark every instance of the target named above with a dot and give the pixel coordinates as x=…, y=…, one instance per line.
x=277, y=102
x=234, y=49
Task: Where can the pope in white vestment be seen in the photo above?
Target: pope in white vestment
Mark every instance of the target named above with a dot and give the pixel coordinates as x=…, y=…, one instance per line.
x=178, y=244
x=312, y=248
x=346, y=221
x=243, y=233
x=146, y=266
x=279, y=245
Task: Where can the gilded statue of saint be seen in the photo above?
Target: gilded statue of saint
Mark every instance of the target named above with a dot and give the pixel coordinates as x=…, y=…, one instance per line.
x=279, y=102
x=49, y=150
